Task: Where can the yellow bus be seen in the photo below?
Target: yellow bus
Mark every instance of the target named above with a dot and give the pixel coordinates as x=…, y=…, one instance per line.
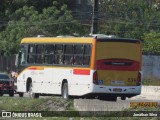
x=101, y=67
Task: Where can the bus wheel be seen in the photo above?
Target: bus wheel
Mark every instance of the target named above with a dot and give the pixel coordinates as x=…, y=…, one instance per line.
x=109, y=98
x=20, y=94
x=31, y=93
x=123, y=98
x=65, y=91
x=11, y=94
x=1, y=94
x=113, y=98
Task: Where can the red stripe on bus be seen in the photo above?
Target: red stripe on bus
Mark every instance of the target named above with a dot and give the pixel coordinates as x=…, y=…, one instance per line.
x=35, y=68
x=118, y=64
x=81, y=72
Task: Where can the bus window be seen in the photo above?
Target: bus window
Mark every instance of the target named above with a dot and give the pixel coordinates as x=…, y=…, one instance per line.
x=87, y=53
x=78, y=49
x=58, y=59
x=87, y=50
x=68, y=54
x=49, y=51
x=40, y=49
x=78, y=54
x=39, y=54
x=31, y=54
x=78, y=60
x=31, y=49
x=23, y=54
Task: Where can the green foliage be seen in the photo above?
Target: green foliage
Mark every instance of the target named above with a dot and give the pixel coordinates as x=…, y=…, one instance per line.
x=129, y=18
x=151, y=43
x=124, y=18
x=26, y=21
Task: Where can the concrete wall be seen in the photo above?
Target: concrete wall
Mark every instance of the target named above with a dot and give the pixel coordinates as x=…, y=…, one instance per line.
x=151, y=66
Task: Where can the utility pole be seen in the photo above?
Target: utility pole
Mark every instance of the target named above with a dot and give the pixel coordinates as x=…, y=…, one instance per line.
x=94, y=26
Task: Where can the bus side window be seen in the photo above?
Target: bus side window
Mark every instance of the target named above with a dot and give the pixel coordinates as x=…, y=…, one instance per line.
x=39, y=54
x=58, y=57
x=78, y=54
x=31, y=54
x=87, y=53
x=68, y=54
x=49, y=52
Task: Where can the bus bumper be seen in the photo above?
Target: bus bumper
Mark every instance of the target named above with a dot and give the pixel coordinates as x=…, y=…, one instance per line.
x=117, y=89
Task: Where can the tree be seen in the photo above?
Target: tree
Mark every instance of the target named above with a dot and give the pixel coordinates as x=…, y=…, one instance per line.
x=28, y=22
x=129, y=18
x=151, y=43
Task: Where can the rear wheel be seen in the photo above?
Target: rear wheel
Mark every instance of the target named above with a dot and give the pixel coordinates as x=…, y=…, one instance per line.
x=108, y=98
x=65, y=91
x=123, y=98
x=31, y=93
x=21, y=94
x=113, y=98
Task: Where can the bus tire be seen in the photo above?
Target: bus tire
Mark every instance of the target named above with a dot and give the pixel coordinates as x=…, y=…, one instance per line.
x=113, y=98
x=123, y=98
x=1, y=94
x=11, y=94
x=21, y=94
x=31, y=93
x=65, y=91
x=108, y=98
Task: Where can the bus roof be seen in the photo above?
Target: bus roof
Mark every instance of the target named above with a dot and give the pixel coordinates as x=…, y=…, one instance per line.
x=119, y=40
x=75, y=40
x=57, y=40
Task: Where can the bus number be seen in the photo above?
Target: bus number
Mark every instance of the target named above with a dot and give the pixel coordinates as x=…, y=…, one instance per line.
x=131, y=79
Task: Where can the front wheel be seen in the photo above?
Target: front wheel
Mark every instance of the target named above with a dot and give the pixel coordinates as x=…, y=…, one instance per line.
x=65, y=91
x=1, y=94
x=31, y=93
x=11, y=94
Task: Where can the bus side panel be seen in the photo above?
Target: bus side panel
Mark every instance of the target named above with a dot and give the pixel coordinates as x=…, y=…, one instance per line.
x=60, y=75
x=52, y=81
x=21, y=83
x=22, y=79
x=42, y=82
x=81, y=82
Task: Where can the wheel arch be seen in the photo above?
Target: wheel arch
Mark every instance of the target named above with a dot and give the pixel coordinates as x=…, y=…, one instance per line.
x=63, y=81
x=28, y=82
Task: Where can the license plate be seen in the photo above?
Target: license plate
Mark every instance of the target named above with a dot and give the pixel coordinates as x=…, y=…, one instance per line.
x=117, y=90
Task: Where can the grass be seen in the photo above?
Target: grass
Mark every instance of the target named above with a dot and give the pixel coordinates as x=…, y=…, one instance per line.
x=27, y=104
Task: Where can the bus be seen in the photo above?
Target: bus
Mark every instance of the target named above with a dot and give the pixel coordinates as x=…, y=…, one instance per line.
x=92, y=67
